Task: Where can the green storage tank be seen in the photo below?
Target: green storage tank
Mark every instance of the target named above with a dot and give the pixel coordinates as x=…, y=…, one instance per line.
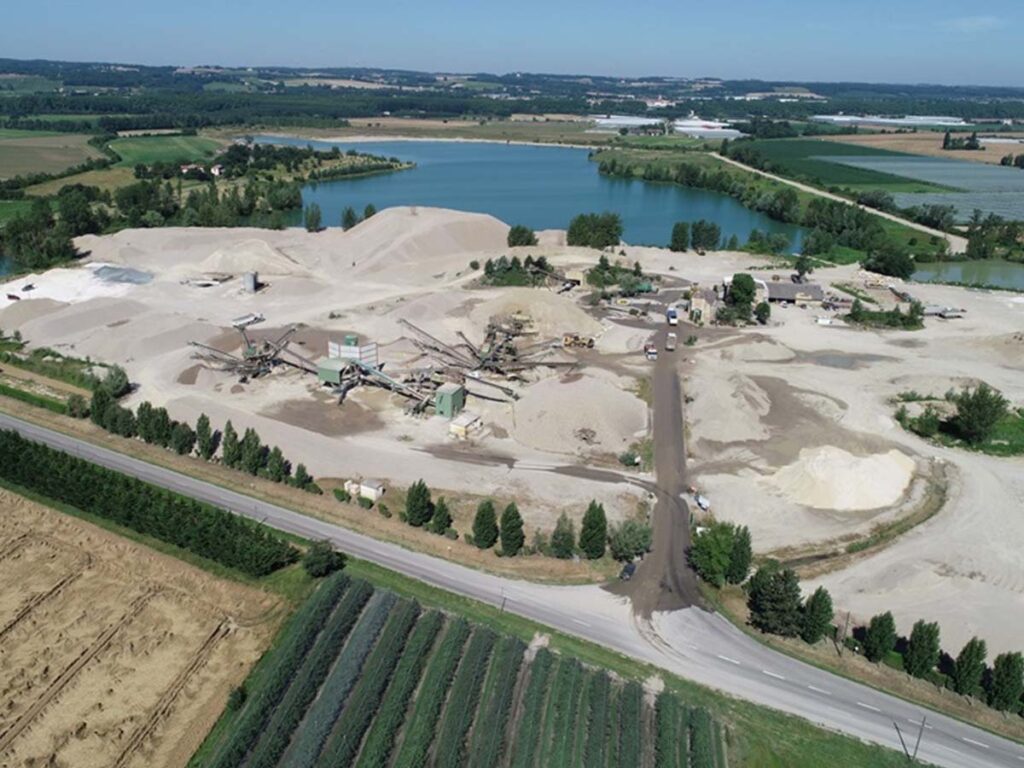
x=449, y=400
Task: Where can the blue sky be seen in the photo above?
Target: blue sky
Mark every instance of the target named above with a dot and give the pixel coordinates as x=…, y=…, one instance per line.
x=915, y=41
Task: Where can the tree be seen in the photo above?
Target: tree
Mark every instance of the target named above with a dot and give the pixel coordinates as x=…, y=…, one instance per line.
x=969, y=667
x=680, y=237
x=1007, y=682
x=595, y=230
x=923, y=649
x=231, y=453
x=742, y=292
x=774, y=601
x=817, y=616
x=253, y=454
x=485, y=525
x=116, y=382
x=369, y=211
x=521, y=235
x=304, y=480
x=314, y=218
x=206, y=438
x=762, y=312
x=418, y=507
x=629, y=540
x=442, y=518
x=512, y=536
x=889, y=259
x=978, y=412
x=563, y=538
x=804, y=266
x=594, y=531
x=349, y=218
x=880, y=637
x=711, y=552
x=276, y=465
x=322, y=559
x=101, y=401
x=705, y=235
x=740, y=557
x=77, y=406
x=183, y=439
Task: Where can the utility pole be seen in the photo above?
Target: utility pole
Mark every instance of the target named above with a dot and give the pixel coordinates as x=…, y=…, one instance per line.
x=902, y=742
x=841, y=641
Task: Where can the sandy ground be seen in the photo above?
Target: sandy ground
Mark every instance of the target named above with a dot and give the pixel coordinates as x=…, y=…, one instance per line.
x=929, y=143
x=112, y=654
x=403, y=264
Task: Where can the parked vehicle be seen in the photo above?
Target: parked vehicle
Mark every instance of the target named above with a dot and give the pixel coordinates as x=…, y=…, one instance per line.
x=651, y=351
x=672, y=315
x=670, y=342
x=627, y=571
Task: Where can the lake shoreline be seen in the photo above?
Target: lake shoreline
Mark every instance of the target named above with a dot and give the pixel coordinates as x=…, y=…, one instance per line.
x=368, y=138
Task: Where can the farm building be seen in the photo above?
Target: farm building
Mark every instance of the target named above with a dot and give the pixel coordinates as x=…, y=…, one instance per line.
x=366, y=489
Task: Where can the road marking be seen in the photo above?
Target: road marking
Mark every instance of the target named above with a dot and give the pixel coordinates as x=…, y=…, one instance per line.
x=772, y=674
x=581, y=621
x=819, y=690
x=726, y=658
x=926, y=726
x=975, y=743
x=868, y=706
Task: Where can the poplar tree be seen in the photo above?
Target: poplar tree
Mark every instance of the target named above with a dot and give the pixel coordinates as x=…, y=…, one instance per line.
x=880, y=637
x=512, y=536
x=740, y=557
x=594, y=531
x=441, y=520
x=563, y=539
x=418, y=508
x=970, y=667
x=923, y=649
x=485, y=525
x=817, y=616
x=1007, y=683
x=231, y=452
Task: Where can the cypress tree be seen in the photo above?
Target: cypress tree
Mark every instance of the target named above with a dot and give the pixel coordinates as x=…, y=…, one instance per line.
x=923, y=649
x=144, y=421
x=740, y=557
x=349, y=218
x=231, y=451
x=252, y=452
x=594, y=531
x=774, y=601
x=1007, y=682
x=485, y=525
x=206, y=440
x=880, y=637
x=302, y=478
x=817, y=616
x=512, y=536
x=275, y=465
x=563, y=539
x=970, y=667
x=101, y=401
x=418, y=508
x=441, y=521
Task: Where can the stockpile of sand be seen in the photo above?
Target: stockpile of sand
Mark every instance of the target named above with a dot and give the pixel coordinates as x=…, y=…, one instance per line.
x=828, y=477
x=415, y=245
x=552, y=314
x=250, y=255
x=553, y=413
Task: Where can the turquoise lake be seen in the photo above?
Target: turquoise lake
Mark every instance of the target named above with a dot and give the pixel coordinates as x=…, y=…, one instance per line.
x=542, y=187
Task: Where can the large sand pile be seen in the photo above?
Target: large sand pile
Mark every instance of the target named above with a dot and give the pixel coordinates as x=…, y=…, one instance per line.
x=552, y=314
x=553, y=411
x=250, y=255
x=828, y=477
x=415, y=245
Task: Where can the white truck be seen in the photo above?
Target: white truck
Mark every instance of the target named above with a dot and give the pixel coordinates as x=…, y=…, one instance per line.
x=670, y=342
x=651, y=351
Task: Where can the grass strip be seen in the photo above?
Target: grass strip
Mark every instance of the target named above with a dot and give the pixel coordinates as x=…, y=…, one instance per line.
x=41, y=401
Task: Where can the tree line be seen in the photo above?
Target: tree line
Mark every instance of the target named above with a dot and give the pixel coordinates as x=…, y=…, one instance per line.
x=721, y=554
x=202, y=529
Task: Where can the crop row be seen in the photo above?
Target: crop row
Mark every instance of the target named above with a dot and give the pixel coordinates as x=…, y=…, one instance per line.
x=701, y=740
x=489, y=729
x=321, y=715
x=630, y=714
x=419, y=730
x=597, y=713
x=299, y=637
x=612, y=742
x=524, y=745
x=348, y=731
x=391, y=713
x=667, y=733
x=449, y=751
x=562, y=712
x=276, y=735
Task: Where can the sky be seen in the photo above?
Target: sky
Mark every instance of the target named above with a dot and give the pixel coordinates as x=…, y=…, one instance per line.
x=894, y=41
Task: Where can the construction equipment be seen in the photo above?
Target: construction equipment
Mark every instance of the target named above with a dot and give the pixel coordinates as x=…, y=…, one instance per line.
x=576, y=341
x=258, y=357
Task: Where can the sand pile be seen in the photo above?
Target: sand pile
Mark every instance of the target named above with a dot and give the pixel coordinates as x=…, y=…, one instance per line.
x=828, y=477
x=70, y=285
x=250, y=255
x=552, y=314
x=415, y=245
x=553, y=411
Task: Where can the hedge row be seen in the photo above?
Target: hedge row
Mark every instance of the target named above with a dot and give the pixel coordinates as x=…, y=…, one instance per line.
x=299, y=636
x=630, y=725
x=200, y=528
x=449, y=751
x=524, y=748
x=41, y=401
x=489, y=736
x=597, y=716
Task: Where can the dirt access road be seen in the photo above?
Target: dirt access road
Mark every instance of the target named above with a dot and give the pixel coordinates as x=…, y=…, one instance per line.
x=957, y=244
x=664, y=580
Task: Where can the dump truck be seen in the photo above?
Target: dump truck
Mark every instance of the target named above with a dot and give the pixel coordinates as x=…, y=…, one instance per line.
x=670, y=342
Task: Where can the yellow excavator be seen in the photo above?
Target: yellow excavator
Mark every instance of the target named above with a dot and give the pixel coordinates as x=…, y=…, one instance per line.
x=576, y=341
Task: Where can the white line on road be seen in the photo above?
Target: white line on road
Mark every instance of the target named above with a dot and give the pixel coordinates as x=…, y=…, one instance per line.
x=926, y=726
x=726, y=658
x=868, y=706
x=816, y=689
x=975, y=743
x=581, y=621
x=772, y=674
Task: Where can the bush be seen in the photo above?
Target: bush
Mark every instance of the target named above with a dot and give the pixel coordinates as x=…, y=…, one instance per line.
x=629, y=540
x=978, y=412
x=595, y=230
x=563, y=539
x=342, y=495
x=384, y=511
x=365, y=503
x=519, y=235
x=322, y=559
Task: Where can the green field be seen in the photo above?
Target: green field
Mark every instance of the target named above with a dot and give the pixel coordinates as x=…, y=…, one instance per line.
x=361, y=677
x=11, y=208
x=26, y=152
x=799, y=159
x=19, y=84
x=163, y=149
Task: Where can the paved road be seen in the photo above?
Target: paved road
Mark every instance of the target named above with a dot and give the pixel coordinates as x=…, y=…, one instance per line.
x=693, y=643
x=957, y=244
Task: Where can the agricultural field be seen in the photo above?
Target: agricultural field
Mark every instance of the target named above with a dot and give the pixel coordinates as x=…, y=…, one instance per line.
x=928, y=143
x=15, y=85
x=820, y=163
x=113, y=654
x=362, y=677
x=163, y=149
x=24, y=152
